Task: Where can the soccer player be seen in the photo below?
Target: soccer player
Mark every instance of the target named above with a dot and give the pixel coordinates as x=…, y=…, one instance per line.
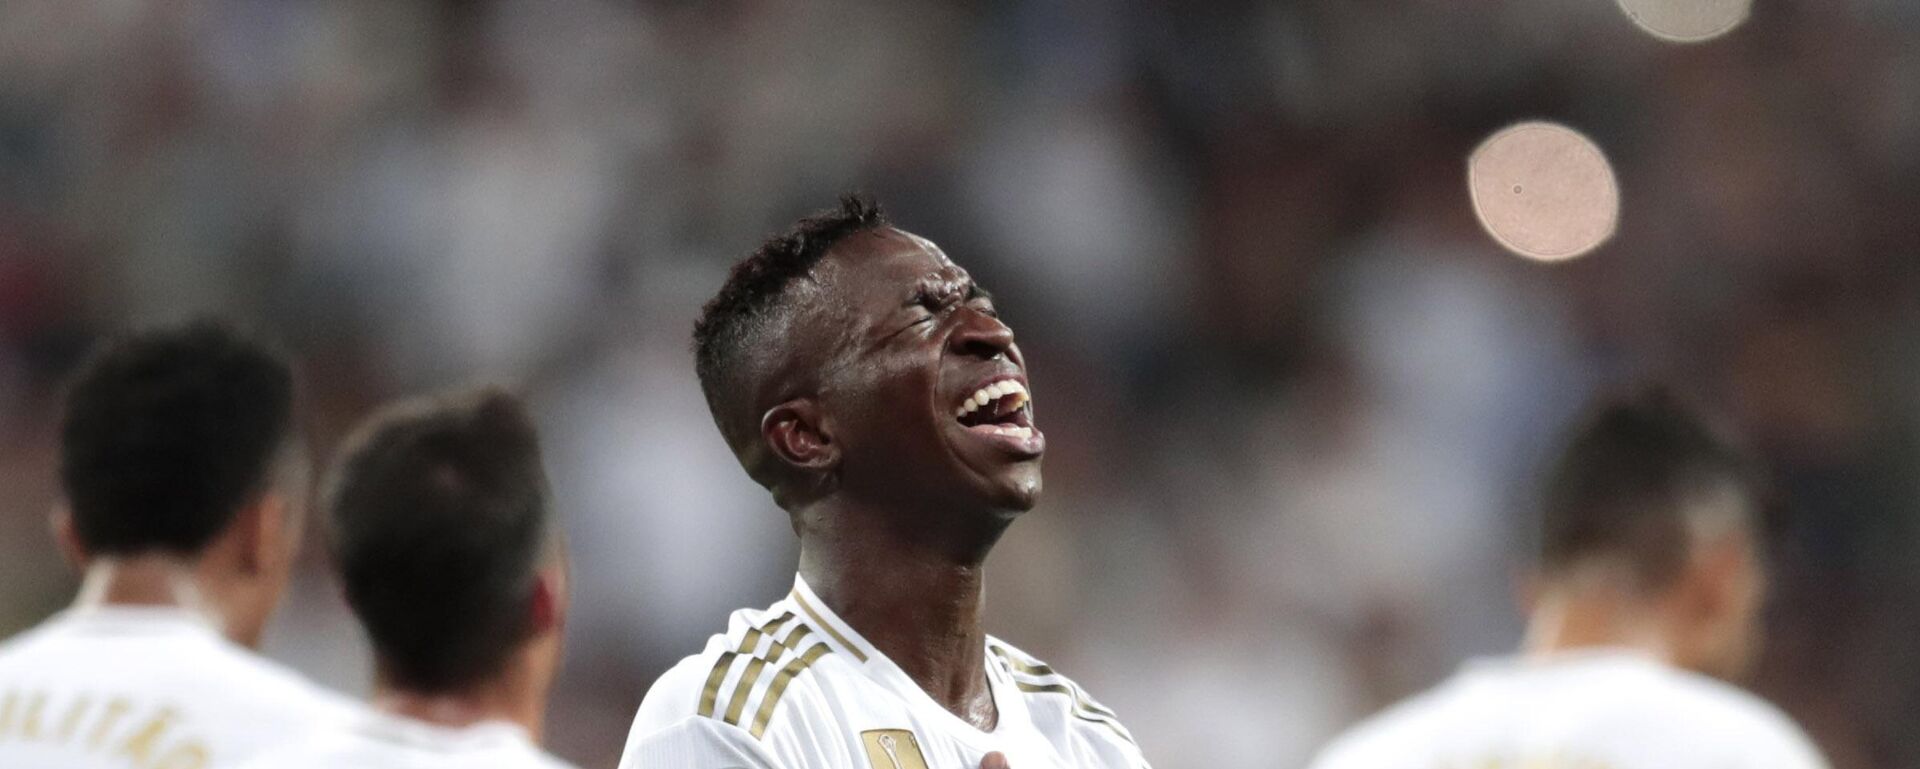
x=184, y=485
x=1649, y=583
x=444, y=537
x=867, y=382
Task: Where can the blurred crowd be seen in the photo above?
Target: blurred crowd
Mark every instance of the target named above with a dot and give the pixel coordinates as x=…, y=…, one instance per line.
x=1295, y=396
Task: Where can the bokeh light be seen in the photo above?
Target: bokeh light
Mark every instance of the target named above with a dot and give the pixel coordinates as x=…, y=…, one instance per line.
x=1687, y=21
x=1544, y=191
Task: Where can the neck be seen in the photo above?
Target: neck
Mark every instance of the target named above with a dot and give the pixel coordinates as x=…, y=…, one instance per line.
x=511, y=697
x=1575, y=618
x=914, y=602
x=154, y=580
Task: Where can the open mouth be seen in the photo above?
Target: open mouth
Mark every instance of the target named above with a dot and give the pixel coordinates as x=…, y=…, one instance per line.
x=1000, y=408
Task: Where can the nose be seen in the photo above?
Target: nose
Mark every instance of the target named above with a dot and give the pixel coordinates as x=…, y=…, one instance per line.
x=981, y=335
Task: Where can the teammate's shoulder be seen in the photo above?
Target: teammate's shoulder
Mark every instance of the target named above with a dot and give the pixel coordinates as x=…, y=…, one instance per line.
x=169, y=651
x=19, y=644
x=1382, y=739
x=1740, y=715
x=1047, y=690
x=271, y=683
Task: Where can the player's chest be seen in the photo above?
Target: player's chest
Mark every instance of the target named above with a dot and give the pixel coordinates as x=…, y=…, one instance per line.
x=883, y=734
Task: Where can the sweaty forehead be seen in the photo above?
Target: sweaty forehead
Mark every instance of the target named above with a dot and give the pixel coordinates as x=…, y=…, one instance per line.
x=885, y=266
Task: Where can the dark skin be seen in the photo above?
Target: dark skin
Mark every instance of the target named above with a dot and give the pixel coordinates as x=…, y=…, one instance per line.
x=897, y=501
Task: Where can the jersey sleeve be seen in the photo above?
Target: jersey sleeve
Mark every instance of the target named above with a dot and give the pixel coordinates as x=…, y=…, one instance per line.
x=697, y=743
x=1779, y=743
x=670, y=731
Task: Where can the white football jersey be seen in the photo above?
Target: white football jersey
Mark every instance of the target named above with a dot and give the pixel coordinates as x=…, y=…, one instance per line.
x=118, y=687
x=1579, y=710
x=794, y=687
x=376, y=740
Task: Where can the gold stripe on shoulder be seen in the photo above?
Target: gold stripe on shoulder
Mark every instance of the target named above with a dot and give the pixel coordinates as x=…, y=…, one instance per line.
x=737, y=704
x=1103, y=720
x=779, y=687
x=814, y=614
x=781, y=646
x=709, y=696
x=711, y=693
x=1041, y=669
x=1034, y=668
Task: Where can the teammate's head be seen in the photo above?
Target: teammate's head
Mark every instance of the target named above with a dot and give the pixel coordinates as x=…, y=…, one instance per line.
x=838, y=359
x=443, y=534
x=1648, y=499
x=179, y=442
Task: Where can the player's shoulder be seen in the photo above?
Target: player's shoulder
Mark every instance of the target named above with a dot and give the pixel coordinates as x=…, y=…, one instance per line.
x=1741, y=717
x=325, y=749
x=264, y=682
x=754, y=689
x=1059, y=698
x=169, y=652
x=691, y=686
x=1623, y=695
x=744, y=676
x=1384, y=738
x=18, y=648
x=370, y=741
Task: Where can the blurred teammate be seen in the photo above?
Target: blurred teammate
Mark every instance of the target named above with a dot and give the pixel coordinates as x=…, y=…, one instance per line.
x=444, y=538
x=1649, y=582
x=184, y=488
x=862, y=378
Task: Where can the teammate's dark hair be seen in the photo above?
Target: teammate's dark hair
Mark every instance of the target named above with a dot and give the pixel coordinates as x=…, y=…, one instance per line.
x=438, y=517
x=732, y=326
x=1630, y=480
x=168, y=433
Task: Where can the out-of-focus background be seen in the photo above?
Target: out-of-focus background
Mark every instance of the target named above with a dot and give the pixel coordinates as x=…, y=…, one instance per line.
x=1295, y=394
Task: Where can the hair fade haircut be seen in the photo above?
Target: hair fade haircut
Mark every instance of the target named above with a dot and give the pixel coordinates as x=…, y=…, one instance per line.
x=1630, y=485
x=438, y=516
x=168, y=433
x=736, y=322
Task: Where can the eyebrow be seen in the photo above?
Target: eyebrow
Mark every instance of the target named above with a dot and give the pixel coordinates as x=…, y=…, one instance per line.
x=923, y=291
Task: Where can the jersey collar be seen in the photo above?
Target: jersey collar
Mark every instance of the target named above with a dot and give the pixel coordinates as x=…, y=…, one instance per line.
x=875, y=664
x=841, y=636
x=123, y=619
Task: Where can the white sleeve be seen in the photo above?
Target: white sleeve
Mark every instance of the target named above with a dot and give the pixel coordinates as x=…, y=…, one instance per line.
x=697, y=743
x=1781, y=745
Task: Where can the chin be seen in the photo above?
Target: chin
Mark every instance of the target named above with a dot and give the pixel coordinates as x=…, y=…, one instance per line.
x=1018, y=492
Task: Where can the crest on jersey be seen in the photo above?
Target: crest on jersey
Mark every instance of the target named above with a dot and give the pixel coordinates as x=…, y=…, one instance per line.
x=893, y=749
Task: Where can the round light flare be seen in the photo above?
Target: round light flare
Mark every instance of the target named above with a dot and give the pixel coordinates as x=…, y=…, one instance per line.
x=1687, y=21
x=1544, y=191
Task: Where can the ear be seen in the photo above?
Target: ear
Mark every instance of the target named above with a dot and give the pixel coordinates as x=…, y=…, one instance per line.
x=796, y=433
x=1722, y=572
x=549, y=601
x=68, y=538
x=259, y=531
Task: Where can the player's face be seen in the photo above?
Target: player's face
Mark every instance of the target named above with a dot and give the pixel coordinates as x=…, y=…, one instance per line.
x=929, y=394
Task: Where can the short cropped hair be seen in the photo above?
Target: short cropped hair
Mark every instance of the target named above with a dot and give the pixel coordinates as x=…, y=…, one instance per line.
x=168, y=433
x=753, y=306
x=439, y=518
x=1630, y=484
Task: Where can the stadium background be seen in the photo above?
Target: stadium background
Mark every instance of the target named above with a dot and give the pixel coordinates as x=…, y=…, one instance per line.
x=1294, y=392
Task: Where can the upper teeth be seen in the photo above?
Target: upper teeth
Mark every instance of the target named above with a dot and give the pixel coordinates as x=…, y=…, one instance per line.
x=991, y=393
